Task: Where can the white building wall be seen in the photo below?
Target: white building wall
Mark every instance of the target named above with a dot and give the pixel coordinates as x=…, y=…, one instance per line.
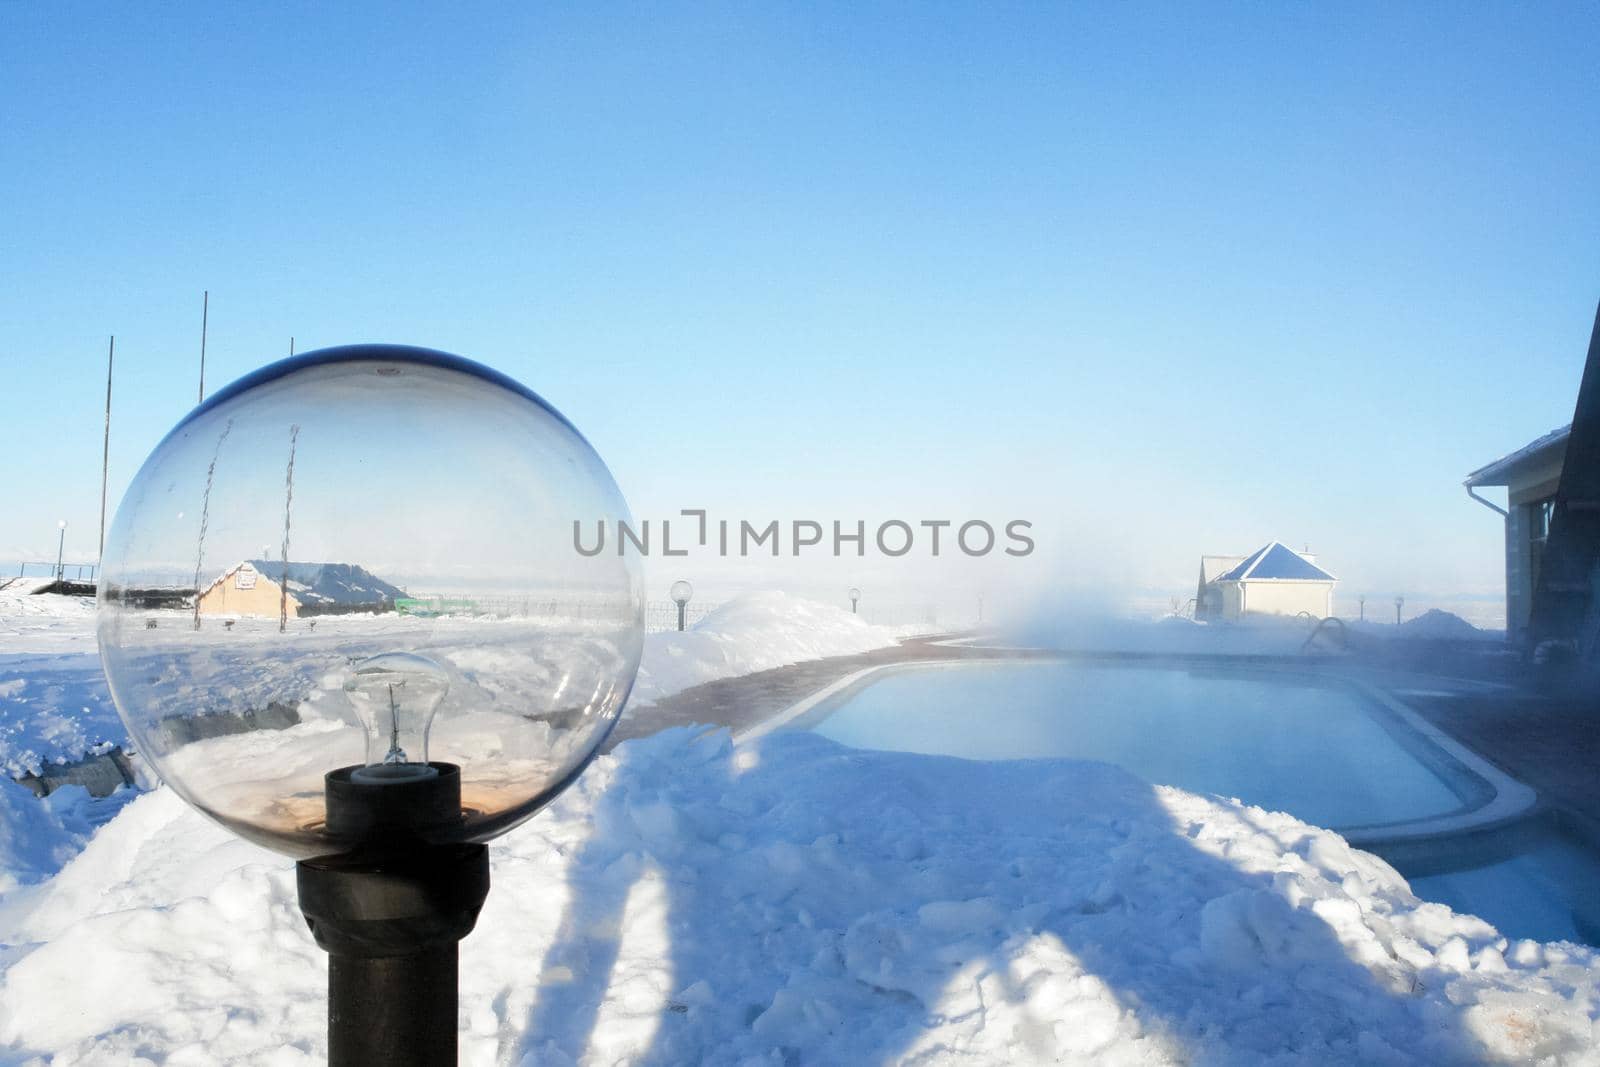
x=1282, y=597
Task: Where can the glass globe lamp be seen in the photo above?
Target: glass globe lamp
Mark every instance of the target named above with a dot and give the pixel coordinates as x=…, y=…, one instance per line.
x=419, y=650
x=681, y=592
x=855, y=595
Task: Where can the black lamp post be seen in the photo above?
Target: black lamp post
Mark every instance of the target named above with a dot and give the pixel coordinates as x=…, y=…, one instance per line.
x=681, y=593
x=324, y=745
x=390, y=916
x=855, y=595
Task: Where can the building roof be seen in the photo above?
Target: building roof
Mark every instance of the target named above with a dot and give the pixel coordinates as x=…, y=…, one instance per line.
x=1276, y=562
x=1552, y=447
x=324, y=584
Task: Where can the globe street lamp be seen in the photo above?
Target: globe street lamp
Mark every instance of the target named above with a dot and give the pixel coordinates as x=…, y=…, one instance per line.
x=468, y=666
x=681, y=592
x=855, y=595
x=61, y=546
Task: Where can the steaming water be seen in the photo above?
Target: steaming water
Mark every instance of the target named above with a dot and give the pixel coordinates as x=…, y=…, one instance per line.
x=1543, y=890
x=1315, y=751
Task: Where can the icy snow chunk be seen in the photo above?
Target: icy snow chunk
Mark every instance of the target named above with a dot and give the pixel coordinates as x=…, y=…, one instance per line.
x=1453, y=956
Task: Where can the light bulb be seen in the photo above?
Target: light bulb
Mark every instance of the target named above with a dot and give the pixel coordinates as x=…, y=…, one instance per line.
x=855, y=594
x=681, y=591
x=396, y=695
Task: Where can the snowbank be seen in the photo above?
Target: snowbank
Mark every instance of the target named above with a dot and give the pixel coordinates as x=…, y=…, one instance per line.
x=38, y=835
x=1434, y=624
x=796, y=901
x=54, y=704
x=46, y=622
x=1253, y=635
x=752, y=633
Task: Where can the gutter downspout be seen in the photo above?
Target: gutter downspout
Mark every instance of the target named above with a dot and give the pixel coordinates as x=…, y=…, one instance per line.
x=1490, y=504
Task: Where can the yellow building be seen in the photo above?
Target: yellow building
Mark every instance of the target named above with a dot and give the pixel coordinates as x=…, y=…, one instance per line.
x=244, y=590
x=1273, y=580
x=252, y=588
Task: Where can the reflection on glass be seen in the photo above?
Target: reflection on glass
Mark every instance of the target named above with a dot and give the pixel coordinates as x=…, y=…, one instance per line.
x=416, y=512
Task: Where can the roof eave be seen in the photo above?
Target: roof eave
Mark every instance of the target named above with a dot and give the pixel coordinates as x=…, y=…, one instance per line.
x=1540, y=450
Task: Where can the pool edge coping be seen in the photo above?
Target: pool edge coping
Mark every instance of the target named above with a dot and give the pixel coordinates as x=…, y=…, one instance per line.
x=1511, y=799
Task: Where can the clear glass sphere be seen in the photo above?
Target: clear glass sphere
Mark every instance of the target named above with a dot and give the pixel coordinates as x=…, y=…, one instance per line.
x=855, y=594
x=681, y=592
x=429, y=595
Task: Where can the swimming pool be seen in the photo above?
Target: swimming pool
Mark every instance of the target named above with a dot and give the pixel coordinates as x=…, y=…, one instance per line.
x=1331, y=752
x=1317, y=750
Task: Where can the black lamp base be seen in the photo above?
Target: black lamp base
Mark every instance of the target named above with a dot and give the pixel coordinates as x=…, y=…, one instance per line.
x=390, y=917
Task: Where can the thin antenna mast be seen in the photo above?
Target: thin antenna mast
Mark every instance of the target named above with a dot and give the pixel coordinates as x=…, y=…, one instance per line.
x=105, y=455
x=205, y=315
x=205, y=519
x=288, y=502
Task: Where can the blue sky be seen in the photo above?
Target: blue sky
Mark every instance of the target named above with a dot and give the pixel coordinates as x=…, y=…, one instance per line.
x=1163, y=280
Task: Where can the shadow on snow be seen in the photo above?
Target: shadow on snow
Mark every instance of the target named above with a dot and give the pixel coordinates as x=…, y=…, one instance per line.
x=831, y=905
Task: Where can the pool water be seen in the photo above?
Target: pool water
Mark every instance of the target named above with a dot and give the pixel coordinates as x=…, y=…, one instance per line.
x=1315, y=749
x=1536, y=881
x=1319, y=752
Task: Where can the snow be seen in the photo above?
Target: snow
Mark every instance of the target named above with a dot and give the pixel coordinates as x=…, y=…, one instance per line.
x=1253, y=635
x=689, y=901
x=37, y=836
x=785, y=900
x=1435, y=624
x=54, y=704
x=55, y=707
x=755, y=632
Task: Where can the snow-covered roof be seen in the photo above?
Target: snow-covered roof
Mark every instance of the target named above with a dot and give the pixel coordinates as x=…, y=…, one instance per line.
x=1277, y=562
x=324, y=584
x=1551, y=447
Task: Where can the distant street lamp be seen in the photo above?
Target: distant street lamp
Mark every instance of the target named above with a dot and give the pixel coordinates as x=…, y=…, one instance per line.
x=382, y=757
x=681, y=593
x=1362, y=602
x=855, y=595
x=1399, y=602
x=61, y=545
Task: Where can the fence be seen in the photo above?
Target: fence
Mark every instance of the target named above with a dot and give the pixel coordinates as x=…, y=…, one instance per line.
x=659, y=615
x=72, y=572
x=662, y=615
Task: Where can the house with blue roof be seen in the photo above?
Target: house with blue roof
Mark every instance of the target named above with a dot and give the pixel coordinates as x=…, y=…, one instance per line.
x=1272, y=580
